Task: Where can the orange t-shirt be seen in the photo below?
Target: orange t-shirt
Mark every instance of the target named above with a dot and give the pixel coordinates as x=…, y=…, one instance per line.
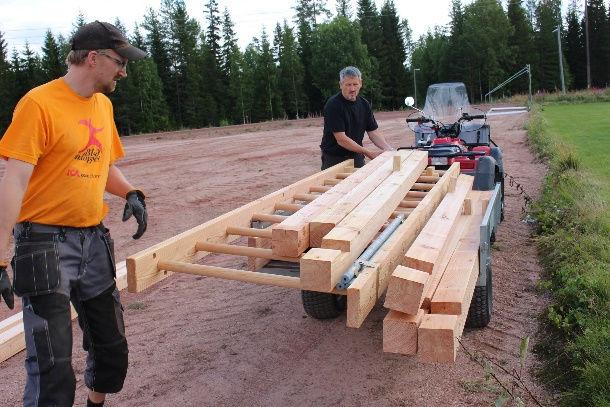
x=71, y=141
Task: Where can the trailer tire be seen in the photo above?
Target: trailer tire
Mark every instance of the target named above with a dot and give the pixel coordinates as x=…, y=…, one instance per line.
x=323, y=305
x=480, y=310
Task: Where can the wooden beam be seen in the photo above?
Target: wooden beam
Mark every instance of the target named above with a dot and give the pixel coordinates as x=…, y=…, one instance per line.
x=321, y=269
x=361, y=297
x=231, y=274
x=240, y=251
x=253, y=232
x=461, y=274
x=400, y=332
x=291, y=237
x=305, y=197
x=392, y=252
x=436, y=338
x=416, y=194
x=406, y=290
x=142, y=267
x=359, y=227
x=327, y=219
x=430, y=243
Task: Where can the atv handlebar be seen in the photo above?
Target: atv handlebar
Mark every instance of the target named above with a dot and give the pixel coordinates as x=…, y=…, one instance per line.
x=420, y=120
x=468, y=117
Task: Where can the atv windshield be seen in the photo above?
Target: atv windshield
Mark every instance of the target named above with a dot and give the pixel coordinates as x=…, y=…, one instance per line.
x=445, y=104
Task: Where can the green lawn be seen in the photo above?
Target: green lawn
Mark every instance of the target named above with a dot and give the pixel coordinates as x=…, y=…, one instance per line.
x=586, y=127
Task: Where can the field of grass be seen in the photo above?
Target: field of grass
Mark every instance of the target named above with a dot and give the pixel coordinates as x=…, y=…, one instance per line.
x=573, y=225
x=585, y=128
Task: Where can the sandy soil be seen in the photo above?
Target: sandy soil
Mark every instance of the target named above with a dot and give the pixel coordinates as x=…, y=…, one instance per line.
x=197, y=341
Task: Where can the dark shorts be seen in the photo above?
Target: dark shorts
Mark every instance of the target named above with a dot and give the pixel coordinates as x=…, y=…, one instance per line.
x=55, y=266
x=329, y=160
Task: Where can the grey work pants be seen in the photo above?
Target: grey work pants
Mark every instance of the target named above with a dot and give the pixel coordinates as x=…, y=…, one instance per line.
x=52, y=267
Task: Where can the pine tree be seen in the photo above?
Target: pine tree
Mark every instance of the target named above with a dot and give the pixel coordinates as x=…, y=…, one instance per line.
x=7, y=87
x=392, y=70
x=370, y=33
x=52, y=66
x=231, y=60
x=521, y=43
x=575, y=46
x=344, y=9
x=599, y=43
x=290, y=76
x=157, y=44
x=213, y=75
x=548, y=18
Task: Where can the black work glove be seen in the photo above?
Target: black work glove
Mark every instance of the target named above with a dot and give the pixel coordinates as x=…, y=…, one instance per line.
x=6, y=289
x=136, y=206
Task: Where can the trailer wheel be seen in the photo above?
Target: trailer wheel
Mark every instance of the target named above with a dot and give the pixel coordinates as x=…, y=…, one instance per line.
x=479, y=313
x=323, y=305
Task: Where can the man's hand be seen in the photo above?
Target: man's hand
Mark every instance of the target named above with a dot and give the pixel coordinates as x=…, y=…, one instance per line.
x=372, y=154
x=5, y=287
x=136, y=206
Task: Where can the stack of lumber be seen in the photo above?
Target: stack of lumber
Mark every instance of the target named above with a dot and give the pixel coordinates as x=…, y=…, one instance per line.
x=429, y=294
x=323, y=223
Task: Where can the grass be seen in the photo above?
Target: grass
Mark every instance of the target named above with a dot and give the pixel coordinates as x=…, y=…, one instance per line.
x=574, y=246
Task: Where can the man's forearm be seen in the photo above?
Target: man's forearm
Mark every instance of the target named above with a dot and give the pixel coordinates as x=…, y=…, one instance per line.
x=12, y=188
x=117, y=184
x=380, y=141
x=351, y=145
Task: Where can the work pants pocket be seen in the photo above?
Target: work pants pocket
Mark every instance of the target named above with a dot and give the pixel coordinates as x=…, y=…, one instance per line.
x=36, y=265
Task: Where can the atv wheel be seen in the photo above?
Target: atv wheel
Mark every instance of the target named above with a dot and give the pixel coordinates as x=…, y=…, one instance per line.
x=323, y=305
x=479, y=313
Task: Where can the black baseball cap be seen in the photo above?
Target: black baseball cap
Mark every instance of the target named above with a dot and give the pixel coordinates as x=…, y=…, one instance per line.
x=100, y=35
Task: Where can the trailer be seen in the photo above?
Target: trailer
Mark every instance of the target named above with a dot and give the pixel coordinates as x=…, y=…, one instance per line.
x=346, y=237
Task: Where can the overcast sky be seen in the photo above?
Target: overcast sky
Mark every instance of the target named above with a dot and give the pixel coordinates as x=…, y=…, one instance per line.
x=28, y=20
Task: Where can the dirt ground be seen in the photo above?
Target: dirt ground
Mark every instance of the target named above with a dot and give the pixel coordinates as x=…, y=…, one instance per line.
x=197, y=341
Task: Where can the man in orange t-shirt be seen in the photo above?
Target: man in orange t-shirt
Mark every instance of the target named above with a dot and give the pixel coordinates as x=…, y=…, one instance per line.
x=60, y=150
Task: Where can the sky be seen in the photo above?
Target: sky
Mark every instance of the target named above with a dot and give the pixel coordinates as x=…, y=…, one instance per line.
x=28, y=20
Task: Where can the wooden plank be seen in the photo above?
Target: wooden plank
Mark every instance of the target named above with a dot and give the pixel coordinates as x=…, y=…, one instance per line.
x=436, y=338
x=12, y=341
x=361, y=297
x=142, y=267
x=231, y=274
x=406, y=290
x=430, y=243
x=327, y=219
x=457, y=231
x=392, y=252
x=357, y=229
x=460, y=275
x=400, y=332
x=291, y=237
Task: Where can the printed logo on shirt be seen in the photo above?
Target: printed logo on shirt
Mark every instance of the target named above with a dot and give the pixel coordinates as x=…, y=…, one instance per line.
x=92, y=151
x=74, y=172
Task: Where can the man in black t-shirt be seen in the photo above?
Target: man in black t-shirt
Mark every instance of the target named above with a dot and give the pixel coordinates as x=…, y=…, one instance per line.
x=346, y=117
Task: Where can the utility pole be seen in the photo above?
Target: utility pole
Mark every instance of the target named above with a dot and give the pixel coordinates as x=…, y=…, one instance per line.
x=563, y=84
x=587, y=44
x=415, y=87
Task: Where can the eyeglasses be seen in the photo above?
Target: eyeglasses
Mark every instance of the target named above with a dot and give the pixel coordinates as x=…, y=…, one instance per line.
x=122, y=64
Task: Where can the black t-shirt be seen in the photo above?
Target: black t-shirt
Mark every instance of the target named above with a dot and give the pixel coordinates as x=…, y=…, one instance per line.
x=353, y=118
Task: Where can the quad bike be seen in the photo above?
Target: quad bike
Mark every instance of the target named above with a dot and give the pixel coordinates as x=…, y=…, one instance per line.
x=451, y=131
